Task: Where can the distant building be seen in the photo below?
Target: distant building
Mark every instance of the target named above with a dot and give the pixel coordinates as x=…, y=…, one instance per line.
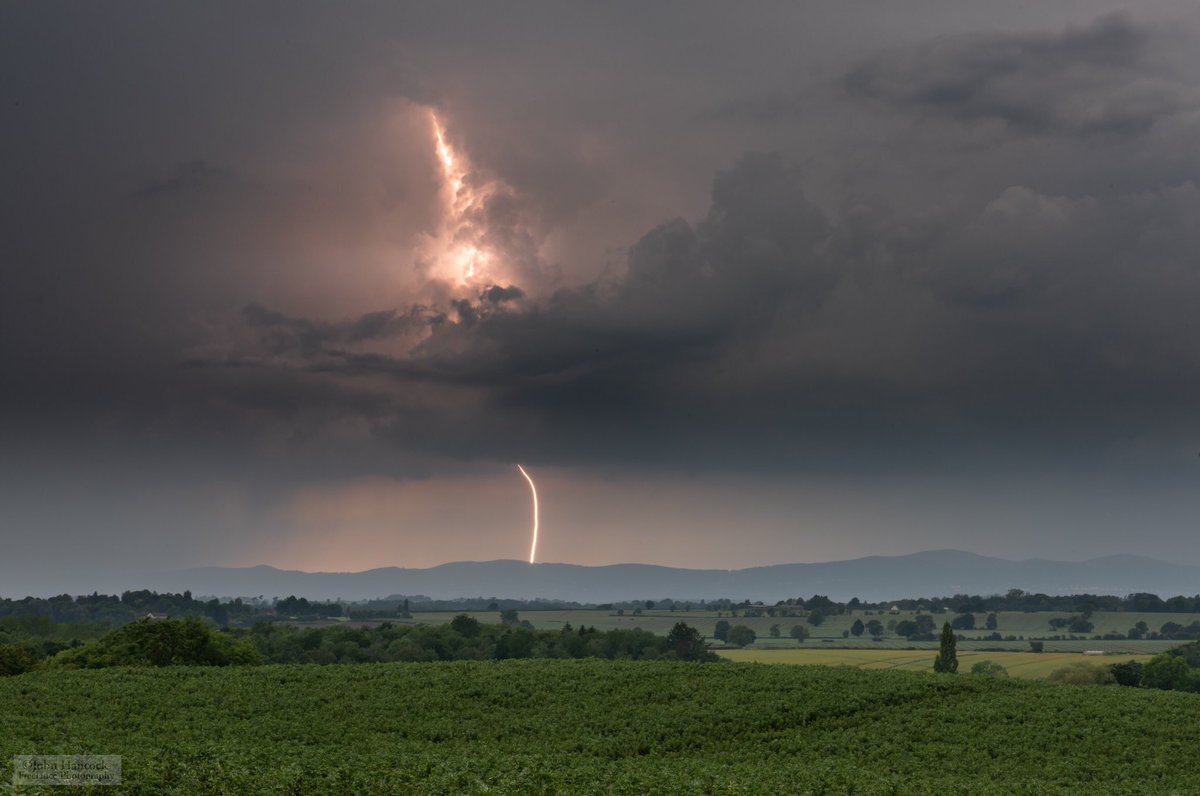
x=895, y=609
x=1094, y=652
x=153, y=615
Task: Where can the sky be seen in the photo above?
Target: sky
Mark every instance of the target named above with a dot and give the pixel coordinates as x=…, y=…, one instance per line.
x=300, y=283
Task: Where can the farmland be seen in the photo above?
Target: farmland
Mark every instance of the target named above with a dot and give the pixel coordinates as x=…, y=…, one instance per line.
x=1028, y=665
x=597, y=726
x=1023, y=625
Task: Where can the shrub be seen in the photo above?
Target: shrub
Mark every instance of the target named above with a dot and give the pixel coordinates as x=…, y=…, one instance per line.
x=150, y=642
x=1082, y=673
x=16, y=659
x=989, y=669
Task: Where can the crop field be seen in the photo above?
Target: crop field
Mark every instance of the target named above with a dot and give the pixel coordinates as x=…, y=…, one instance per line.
x=1029, y=665
x=552, y=726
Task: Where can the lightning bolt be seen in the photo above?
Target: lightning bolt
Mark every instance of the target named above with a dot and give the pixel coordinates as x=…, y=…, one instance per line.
x=533, y=489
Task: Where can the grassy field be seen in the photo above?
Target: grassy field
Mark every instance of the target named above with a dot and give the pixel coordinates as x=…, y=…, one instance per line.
x=552, y=726
x=1015, y=623
x=1028, y=665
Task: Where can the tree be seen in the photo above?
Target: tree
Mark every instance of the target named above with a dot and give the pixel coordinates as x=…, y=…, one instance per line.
x=685, y=641
x=1036, y=646
x=509, y=616
x=721, y=631
x=1166, y=672
x=798, y=632
x=464, y=625
x=816, y=618
x=741, y=635
x=1128, y=673
x=774, y=631
x=946, y=661
x=875, y=628
x=992, y=623
x=857, y=628
x=16, y=659
x=1080, y=625
x=963, y=622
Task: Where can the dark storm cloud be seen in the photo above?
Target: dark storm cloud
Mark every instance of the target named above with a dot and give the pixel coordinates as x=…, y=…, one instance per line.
x=770, y=333
x=192, y=175
x=770, y=109
x=1102, y=78
x=281, y=333
x=897, y=286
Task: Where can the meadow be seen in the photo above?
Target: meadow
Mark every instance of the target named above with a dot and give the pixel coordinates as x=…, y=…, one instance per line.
x=588, y=726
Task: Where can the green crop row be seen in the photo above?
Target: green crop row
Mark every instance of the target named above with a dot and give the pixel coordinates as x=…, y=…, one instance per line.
x=588, y=726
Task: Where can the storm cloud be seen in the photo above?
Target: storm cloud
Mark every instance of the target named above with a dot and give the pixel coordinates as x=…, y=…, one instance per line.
x=957, y=247
x=1106, y=77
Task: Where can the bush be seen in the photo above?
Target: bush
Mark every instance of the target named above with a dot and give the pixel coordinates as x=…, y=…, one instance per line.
x=151, y=642
x=989, y=669
x=1128, y=673
x=1168, y=673
x=16, y=659
x=741, y=635
x=1082, y=673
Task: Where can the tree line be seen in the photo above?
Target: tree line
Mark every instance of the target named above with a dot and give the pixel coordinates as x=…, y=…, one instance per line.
x=195, y=642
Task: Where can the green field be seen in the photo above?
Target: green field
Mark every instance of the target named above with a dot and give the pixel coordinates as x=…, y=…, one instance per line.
x=1014, y=623
x=548, y=726
x=1029, y=665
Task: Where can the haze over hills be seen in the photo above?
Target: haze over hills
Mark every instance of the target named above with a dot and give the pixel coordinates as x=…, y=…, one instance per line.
x=874, y=578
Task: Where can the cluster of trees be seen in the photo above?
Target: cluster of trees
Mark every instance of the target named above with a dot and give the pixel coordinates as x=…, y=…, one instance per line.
x=1019, y=600
x=301, y=608
x=1169, y=630
x=1174, y=670
x=466, y=638
x=1076, y=623
x=741, y=636
x=194, y=642
x=115, y=610
x=149, y=642
x=401, y=605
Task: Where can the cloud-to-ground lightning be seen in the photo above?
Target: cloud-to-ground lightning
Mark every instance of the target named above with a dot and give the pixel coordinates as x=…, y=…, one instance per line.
x=460, y=247
x=533, y=489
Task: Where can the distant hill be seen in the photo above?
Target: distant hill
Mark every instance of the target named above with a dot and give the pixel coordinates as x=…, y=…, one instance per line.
x=932, y=573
